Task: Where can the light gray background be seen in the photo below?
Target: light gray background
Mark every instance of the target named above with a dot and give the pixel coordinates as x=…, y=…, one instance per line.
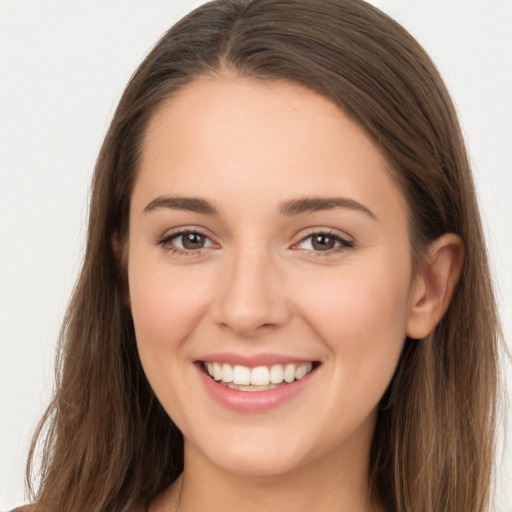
x=63, y=66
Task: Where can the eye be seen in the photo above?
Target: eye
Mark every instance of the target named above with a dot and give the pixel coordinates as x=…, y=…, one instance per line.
x=324, y=242
x=186, y=242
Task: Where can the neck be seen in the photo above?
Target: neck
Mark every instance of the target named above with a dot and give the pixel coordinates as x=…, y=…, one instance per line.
x=337, y=482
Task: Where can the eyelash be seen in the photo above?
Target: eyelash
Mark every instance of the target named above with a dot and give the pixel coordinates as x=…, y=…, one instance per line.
x=167, y=245
x=343, y=243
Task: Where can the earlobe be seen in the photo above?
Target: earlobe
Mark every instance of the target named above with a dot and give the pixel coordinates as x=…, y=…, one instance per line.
x=434, y=286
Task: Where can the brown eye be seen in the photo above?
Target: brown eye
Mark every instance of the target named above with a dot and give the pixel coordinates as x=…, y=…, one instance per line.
x=191, y=241
x=322, y=242
x=186, y=242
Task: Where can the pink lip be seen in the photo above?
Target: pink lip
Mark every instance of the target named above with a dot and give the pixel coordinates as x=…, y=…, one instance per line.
x=251, y=360
x=252, y=401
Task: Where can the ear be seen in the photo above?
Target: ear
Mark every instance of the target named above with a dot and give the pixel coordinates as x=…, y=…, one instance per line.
x=433, y=288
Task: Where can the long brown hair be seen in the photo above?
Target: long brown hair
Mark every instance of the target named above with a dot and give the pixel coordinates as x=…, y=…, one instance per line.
x=108, y=444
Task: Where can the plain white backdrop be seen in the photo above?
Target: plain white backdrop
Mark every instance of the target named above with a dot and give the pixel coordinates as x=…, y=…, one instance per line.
x=63, y=67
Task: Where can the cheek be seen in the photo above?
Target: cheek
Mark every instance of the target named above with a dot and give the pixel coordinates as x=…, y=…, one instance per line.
x=165, y=309
x=359, y=301
x=360, y=314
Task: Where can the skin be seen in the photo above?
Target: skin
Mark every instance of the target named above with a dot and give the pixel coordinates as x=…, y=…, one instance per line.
x=259, y=286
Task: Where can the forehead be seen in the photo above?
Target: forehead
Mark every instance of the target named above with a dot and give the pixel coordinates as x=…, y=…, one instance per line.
x=226, y=137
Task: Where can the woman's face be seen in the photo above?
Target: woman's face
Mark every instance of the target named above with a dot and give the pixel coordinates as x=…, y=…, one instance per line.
x=267, y=241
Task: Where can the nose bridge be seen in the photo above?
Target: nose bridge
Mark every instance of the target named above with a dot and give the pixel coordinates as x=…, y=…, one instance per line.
x=250, y=293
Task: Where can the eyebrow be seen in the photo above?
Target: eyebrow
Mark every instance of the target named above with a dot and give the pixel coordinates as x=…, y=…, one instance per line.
x=189, y=204
x=289, y=208
x=316, y=204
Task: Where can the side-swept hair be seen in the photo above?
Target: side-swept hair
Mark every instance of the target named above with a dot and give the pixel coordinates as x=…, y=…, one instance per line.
x=108, y=444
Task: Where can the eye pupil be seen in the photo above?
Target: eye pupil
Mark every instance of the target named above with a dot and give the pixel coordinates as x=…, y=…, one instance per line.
x=193, y=241
x=323, y=242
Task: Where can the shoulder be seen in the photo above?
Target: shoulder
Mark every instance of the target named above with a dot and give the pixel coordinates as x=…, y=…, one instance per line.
x=26, y=508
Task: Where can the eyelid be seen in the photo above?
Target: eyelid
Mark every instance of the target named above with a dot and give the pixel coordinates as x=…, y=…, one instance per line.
x=166, y=239
x=344, y=241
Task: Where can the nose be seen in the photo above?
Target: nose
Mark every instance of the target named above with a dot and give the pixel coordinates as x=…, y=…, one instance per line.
x=251, y=298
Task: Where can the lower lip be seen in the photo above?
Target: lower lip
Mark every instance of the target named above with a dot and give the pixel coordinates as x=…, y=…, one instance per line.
x=252, y=401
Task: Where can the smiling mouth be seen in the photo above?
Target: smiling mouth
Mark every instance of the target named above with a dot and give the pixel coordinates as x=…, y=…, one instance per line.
x=259, y=378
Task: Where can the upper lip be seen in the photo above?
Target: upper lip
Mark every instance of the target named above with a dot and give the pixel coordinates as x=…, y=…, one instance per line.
x=252, y=360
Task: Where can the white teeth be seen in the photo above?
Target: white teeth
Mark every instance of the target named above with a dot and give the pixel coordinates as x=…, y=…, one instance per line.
x=276, y=374
x=248, y=388
x=227, y=373
x=241, y=375
x=217, y=371
x=240, y=387
x=303, y=370
x=300, y=372
x=289, y=373
x=258, y=378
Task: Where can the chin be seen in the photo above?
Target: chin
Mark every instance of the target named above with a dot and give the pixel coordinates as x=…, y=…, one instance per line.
x=258, y=457
x=258, y=464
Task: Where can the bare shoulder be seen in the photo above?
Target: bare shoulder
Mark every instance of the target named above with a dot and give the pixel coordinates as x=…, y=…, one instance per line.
x=25, y=508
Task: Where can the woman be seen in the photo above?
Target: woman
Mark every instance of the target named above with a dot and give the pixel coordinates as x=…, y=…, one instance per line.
x=285, y=299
